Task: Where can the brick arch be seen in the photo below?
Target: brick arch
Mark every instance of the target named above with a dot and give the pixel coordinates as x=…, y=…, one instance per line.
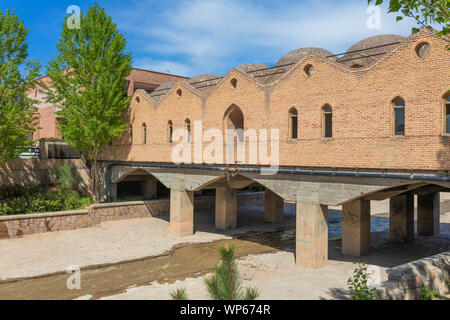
x=233, y=119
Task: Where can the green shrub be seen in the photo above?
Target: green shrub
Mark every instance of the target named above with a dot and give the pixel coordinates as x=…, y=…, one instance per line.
x=63, y=176
x=427, y=294
x=357, y=284
x=179, y=294
x=226, y=283
x=38, y=199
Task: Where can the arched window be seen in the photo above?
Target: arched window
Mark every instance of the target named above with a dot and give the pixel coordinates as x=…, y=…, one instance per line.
x=234, y=120
x=187, y=127
x=144, y=133
x=170, y=132
x=447, y=114
x=328, y=121
x=399, y=117
x=131, y=135
x=293, y=124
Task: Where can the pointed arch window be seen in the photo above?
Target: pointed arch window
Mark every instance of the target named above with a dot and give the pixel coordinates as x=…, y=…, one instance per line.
x=144, y=133
x=328, y=121
x=187, y=127
x=293, y=124
x=399, y=117
x=170, y=131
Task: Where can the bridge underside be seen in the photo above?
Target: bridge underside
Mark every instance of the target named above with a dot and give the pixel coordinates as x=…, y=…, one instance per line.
x=312, y=193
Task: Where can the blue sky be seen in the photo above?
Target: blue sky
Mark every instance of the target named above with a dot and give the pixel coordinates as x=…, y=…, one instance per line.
x=190, y=37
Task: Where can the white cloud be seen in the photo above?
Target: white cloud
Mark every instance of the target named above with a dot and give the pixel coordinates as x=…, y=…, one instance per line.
x=199, y=36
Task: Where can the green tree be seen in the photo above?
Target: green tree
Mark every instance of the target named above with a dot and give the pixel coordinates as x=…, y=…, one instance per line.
x=425, y=12
x=17, y=78
x=226, y=284
x=88, y=77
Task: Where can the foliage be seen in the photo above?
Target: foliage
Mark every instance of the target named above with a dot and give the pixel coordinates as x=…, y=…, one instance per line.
x=17, y=77
x=425, y=12
x=358, y=284
x=427, y=294
x=88, y=77
x=63, y=177
x=179, y=294
x=40, y=199
x=226, y=283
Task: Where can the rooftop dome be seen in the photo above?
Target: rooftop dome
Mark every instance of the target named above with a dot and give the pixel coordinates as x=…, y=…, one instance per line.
x=249, y=67
x=163, y=89
x=203, y=77
x=296, y=55
x=384, y=40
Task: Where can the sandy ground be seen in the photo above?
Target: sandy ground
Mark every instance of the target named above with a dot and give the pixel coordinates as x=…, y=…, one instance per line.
x=276, y=275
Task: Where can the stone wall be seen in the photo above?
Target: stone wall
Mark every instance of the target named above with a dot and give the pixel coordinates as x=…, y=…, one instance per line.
x=405, y=281
x=14, y=226
x=22, y=173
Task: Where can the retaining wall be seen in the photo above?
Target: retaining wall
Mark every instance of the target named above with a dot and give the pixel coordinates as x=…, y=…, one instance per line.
x=405, y=281
x=14, y=226
x=23, y=173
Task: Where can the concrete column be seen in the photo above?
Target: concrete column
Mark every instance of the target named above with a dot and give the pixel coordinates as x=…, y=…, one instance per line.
x=113, y=192
x=181, y=213
x=401, y=219
x=226, y=208
x=274, y=207
x=312, y=235
x=149, y=188
x=428, y=214
x=356, y=228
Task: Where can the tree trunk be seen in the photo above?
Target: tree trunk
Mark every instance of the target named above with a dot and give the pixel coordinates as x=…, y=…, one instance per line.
x=94, y=181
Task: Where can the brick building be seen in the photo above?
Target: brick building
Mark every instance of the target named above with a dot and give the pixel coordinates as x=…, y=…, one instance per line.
x=47, y=126
x=367, y=125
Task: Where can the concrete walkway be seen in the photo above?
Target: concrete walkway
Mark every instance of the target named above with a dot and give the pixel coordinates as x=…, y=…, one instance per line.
x=113, y=242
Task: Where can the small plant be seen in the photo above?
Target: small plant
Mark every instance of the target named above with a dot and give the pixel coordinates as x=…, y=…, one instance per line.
x=427, y=294
x=358, y=284
x=179, y=294
x=226, y=283
x=63, y=175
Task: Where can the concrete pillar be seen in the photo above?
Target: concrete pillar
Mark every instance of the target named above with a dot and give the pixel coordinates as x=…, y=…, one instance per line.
x=113, y=192
x=226, y=208
x=181, y=213
x=356, y=228
x=312, y=235
x=149, y=188
x=274, y=207
x=428, y=214
x=401, y=219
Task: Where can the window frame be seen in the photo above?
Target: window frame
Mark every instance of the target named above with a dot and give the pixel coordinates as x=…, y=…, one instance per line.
x=325, y=114
x=396, y=107
x=293, y=113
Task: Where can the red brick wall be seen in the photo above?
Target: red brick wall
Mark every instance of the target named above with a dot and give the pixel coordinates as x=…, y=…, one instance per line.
x=362, y=111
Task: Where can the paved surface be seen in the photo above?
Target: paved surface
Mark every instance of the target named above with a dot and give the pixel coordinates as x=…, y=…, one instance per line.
x=113, y=242
x=275, y=274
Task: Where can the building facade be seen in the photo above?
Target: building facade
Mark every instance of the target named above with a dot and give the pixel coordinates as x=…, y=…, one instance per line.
x=47, y=123
x=368, y=125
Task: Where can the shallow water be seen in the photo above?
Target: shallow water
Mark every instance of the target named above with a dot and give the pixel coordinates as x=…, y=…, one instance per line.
x=189, y=260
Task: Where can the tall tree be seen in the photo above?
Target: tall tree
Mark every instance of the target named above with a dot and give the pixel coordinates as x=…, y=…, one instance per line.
x=425, y=12
x=88, y=77
x=17, y=78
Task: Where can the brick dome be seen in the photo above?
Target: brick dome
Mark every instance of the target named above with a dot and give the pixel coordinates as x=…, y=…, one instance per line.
x=249, y=67
x=375, y=41
x=203, y=77
x=298, y=54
